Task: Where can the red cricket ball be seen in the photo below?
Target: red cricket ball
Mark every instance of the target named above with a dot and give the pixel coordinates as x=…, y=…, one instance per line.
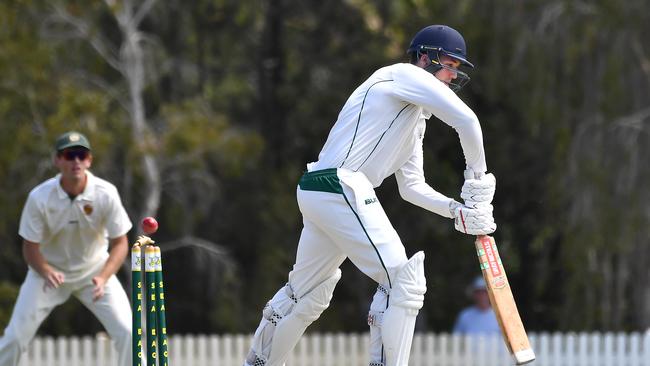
x=149, y=225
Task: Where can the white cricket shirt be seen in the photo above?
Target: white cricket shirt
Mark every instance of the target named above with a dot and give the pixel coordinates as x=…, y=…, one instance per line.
x=380, y=128
x=73, y=234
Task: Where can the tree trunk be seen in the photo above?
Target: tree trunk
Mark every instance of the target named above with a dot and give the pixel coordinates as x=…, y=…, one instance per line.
x=272, y=74
x=132, y=68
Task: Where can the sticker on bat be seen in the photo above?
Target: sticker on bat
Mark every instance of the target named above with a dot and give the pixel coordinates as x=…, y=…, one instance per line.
x=492, y=257
x=499, y=282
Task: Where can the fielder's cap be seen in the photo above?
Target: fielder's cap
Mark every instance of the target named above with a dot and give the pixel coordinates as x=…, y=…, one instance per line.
x=71, y=139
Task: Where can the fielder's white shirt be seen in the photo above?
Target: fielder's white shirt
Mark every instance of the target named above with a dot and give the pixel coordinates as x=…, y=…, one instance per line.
x=73, y=234
x=380, y=129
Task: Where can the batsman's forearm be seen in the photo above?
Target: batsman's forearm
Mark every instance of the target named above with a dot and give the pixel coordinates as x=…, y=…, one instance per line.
x=422, y=195
x=119, y=248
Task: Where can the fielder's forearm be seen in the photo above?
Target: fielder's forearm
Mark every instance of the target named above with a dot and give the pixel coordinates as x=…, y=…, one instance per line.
x=119, y=248
x=34, y=258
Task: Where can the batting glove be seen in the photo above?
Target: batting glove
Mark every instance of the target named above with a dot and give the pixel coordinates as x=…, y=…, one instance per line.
x=473, y=221
x=479, y=191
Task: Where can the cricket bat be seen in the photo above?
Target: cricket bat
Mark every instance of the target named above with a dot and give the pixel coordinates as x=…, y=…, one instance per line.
x=503, y=303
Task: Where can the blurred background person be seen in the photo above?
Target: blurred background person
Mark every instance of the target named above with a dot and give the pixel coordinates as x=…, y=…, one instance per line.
x=479, y=317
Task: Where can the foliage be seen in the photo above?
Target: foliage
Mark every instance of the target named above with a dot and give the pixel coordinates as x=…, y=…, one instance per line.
x=239, y=95
x=8, y=294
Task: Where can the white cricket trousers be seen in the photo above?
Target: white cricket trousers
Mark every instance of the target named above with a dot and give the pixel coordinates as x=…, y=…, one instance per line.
x=34, y=304
x=343, y=218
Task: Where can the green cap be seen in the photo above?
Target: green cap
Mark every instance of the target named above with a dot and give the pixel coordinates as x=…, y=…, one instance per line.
x=71, y=139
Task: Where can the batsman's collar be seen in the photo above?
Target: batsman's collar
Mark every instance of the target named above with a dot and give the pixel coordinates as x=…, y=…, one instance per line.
x=71, y=139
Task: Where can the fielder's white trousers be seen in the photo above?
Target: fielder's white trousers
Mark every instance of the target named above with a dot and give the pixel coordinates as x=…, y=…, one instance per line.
x=34, y=304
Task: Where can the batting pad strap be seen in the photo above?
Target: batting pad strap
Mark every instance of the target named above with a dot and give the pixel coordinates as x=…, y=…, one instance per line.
x=274, y=316
x=383, y=289
x=282, y=338
x=289, y=292
x=271, y=315
x=375, y=318
x=253, y=359
x=311, y=306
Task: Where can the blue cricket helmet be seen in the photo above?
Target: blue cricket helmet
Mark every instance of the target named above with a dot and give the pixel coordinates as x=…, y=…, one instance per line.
x=443, y=39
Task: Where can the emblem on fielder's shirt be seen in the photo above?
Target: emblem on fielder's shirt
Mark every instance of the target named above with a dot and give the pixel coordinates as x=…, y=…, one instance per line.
x=88, y=209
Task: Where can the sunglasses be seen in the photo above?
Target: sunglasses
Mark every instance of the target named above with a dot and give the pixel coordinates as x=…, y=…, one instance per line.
x=73, y=154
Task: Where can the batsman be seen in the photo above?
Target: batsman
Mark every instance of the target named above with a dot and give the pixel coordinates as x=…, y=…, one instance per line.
x=379, y=132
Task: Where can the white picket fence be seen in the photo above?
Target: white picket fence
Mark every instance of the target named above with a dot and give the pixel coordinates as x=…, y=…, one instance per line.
x=429, y=349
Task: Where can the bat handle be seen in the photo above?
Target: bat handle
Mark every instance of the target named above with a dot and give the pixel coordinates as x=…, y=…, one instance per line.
x=469, y=173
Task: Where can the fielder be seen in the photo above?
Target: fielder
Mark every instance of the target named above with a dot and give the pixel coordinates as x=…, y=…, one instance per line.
x=67, y=225
x=378, y=133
